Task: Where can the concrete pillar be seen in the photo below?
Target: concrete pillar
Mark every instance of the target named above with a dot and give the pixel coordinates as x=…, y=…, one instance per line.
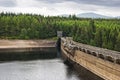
x=110, y=58
x=101, y=56
x=118, y=61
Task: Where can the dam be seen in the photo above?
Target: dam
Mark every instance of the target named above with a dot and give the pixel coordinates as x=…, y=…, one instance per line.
x=33, y=59
x=102, y=62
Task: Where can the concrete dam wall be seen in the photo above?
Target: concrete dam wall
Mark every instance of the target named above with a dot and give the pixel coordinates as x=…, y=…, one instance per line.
x=102, y=62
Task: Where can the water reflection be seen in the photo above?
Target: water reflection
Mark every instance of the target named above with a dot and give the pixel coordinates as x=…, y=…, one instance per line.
x=32, y=55
x=52, y=69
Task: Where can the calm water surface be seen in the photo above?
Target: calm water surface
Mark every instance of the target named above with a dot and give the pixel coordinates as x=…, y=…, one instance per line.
x=49, y=69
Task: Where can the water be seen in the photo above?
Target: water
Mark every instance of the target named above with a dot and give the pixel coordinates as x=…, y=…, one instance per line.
x=47, y=69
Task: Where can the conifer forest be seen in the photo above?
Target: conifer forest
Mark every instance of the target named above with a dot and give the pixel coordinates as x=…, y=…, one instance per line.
x=103, y=33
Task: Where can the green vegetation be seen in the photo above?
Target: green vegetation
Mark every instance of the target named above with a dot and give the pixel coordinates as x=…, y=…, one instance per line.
x=97, y=32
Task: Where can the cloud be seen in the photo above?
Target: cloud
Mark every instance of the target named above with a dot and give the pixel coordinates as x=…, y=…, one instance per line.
x=111, y=3
x=58, y=7
x=7, y=3
x=52, y=1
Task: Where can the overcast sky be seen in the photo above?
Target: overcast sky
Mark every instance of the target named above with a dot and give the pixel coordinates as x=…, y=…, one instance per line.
x=58, y=7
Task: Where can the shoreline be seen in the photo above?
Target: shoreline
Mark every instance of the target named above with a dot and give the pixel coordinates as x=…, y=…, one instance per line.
x=26, y=45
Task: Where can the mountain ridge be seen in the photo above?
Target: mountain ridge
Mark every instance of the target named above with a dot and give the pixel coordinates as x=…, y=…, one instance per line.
x=91, y=15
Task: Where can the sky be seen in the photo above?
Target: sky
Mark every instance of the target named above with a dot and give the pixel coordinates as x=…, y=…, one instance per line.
x=59, y=7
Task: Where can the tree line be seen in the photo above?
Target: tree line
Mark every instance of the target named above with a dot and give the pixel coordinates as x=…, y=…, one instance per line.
x=97, y=32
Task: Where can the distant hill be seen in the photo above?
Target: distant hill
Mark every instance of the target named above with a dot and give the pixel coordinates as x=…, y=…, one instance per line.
x=118, y=17
x=90, y=15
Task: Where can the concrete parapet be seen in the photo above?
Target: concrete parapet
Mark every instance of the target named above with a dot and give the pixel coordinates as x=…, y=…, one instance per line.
x=105, y=54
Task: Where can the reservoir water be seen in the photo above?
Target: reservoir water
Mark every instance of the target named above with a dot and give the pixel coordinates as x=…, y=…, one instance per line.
x=43, y=69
